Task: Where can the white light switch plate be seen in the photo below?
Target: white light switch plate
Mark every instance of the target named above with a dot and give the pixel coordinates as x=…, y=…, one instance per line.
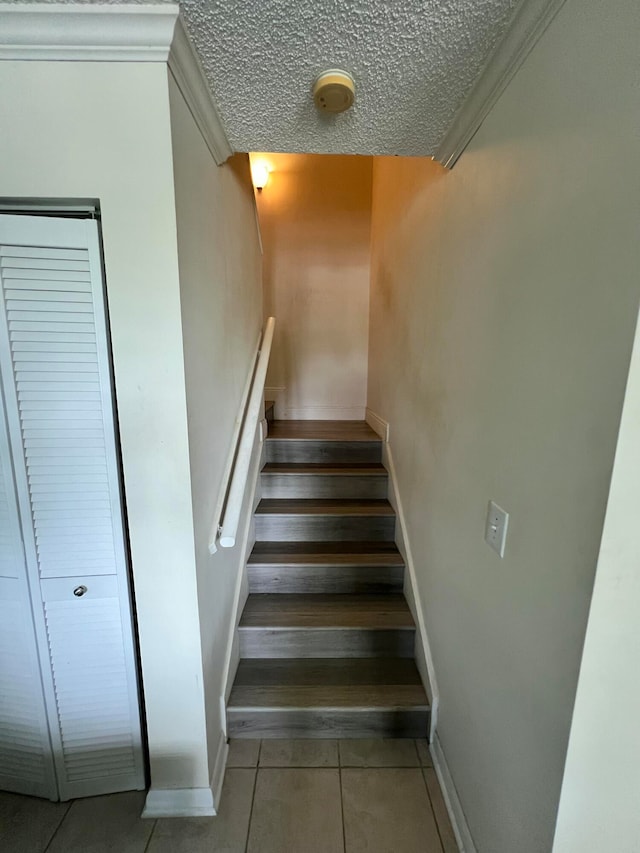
x=495, y=533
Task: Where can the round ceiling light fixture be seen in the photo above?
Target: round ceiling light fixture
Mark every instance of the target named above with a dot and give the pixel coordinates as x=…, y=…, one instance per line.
x=334, y=91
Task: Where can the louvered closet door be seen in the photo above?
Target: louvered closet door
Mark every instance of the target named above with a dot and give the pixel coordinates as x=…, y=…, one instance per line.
x=55, y=368
x=26, y=759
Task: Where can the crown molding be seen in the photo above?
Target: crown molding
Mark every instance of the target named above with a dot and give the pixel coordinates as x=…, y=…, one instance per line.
x=190, y=78
x=87, y=32
x=133, y=32
x=529, y=23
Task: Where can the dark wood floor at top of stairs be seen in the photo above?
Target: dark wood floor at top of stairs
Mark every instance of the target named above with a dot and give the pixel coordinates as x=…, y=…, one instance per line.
x=323, y=431
x=326, y=611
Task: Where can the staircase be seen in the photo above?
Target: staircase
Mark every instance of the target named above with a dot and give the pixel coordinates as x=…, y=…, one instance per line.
x=326, y=637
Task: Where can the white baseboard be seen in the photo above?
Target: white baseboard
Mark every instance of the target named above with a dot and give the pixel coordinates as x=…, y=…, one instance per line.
x=179, y=802
x=324, y=413
x=277, y=394
x=377, y=424
x=424, y=659
x=219, y=766
x=451, y=799
x=234, y=660
x=245, y=544
x=190, y=802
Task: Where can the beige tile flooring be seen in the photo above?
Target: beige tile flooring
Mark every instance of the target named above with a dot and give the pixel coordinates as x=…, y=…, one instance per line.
x=280, y=796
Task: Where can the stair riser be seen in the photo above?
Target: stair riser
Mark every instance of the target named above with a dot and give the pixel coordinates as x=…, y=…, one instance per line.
x=292, y=450
x=326, y=642
x=322, y=723
x=325, y=579
x=373, y=486
x=324, y=528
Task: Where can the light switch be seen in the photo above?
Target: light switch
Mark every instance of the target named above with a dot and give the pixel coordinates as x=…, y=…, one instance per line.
x=495, y=533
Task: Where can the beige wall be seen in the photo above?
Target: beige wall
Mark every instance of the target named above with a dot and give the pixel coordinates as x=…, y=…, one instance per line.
x=102, y=131
x=599, y=802
x=221, y=303
x=315, y=223
x=503, y=303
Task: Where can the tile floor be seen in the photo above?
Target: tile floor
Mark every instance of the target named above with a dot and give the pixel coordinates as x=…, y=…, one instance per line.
x=280, y=796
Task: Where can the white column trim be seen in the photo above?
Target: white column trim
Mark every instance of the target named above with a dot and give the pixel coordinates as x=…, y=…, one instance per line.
x=179, y=802
x=192, y=82
x=64, y=32
x=529, y=23
x=89, y=33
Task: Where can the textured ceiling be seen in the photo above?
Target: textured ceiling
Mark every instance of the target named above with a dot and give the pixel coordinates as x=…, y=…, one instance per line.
x=413, y=62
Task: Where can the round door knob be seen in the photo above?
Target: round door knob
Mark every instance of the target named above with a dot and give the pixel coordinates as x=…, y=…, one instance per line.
x=79, y=591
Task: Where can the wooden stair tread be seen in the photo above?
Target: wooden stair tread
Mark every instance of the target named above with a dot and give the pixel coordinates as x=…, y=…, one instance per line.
x=326, y=638
x=323, y=671
x=326, y=553
x=322, y=431
x=328, y=683
x=324, y=506
x=391, y=696
x=329, y=468
x=318, y=611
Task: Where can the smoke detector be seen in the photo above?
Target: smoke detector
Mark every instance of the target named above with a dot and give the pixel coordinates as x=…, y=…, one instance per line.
x=334, y=91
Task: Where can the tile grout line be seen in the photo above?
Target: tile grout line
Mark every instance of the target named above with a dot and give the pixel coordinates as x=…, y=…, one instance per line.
x=253, y=798
x=415, y=746
x=55, y=831
x=153, y=829
x=344, y=832
x=433, y=811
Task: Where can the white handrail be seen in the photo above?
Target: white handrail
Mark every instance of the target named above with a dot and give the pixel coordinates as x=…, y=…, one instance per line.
x=229, y=524
x=235, y=438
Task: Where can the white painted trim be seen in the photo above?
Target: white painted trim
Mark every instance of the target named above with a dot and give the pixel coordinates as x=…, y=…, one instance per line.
x=217, y=776
x=190, y=802
x=424, y=659
x=179, y=802
x=116, y=33
x=89, y=33
x=529, y=23
x=232, y=653
x=192, y=82
x=451, y=799
x=377, y=424
x=245, y=450
x=235, y=438
x=273, y=389
x=324, y=413
x=277, y=393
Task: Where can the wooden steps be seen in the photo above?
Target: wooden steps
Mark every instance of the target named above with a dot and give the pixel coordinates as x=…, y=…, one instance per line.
x=325, y=567
x=327, y=697
x=320, y=626
x=295, y=520
x=326, y=637
x=324, y=480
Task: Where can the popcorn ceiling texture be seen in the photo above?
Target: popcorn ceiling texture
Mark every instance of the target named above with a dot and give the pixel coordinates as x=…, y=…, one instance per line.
x=414, y=61
x=91, y=2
